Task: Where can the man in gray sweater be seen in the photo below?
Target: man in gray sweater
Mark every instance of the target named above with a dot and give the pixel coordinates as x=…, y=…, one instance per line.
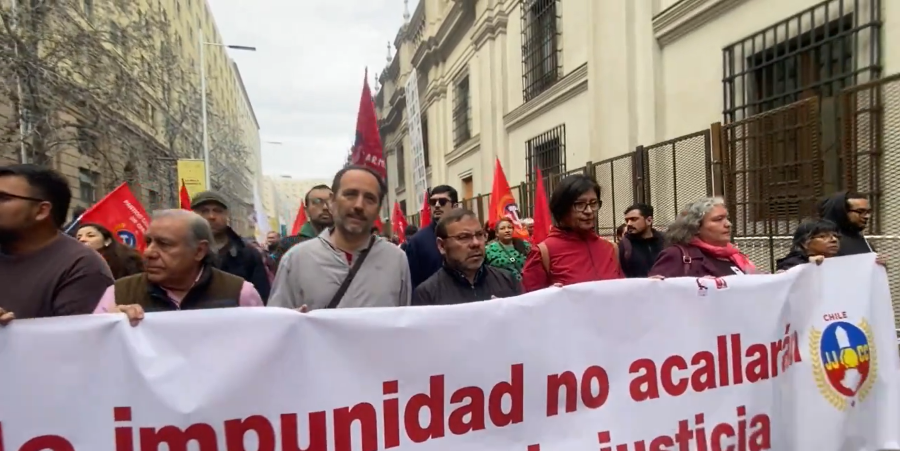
x=311, y=274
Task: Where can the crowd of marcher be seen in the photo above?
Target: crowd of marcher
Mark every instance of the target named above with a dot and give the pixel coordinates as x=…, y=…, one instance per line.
x=194, y=260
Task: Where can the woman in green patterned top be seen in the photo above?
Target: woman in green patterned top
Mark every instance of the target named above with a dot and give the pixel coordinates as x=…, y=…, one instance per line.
x=507, y=252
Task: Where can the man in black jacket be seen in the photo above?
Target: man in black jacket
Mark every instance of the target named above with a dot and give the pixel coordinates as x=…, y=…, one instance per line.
x=641, y=244
x=851, y=213
x=234, y=256
x=464, y=276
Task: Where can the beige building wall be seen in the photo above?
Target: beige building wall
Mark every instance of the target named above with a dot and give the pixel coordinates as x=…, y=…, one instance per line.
x=632, y=72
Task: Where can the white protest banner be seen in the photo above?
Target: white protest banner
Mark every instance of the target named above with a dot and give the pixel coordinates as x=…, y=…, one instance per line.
x=805, y=360
x=414, y=128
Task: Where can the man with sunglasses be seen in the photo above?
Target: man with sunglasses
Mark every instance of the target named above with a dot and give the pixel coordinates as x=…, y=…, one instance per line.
x=422, y=251
x=43, y=271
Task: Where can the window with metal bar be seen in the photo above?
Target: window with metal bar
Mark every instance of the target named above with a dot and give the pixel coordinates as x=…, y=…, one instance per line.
x=547, y=151
x=401, y=166
x=773, y=74
x=461, y=112
x=541, y=59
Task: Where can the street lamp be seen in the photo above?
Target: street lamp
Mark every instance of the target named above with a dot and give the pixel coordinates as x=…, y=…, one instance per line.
x=203, y=96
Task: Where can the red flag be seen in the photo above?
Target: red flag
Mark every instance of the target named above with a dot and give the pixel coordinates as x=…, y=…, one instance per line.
x=398, y=223
x=378, y=224
x=425, y=213
x=299, y=220
x=123, y=215
x=503, y=204
x=542, y=221
x=185, y=197
x=367, y=150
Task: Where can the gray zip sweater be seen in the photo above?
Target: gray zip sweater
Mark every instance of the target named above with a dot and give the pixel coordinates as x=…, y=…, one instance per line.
x=311, y=272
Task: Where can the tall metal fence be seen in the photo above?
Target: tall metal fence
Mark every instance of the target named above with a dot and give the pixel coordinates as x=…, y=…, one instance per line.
x=772, y=168
x=666, y=175
x=869, y=154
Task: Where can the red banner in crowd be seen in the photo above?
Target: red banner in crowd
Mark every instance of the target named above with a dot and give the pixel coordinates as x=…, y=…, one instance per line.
x=398, y=222
x=541, y=216
x=299, y=220
x=184, y=197
x=367, y=150
x=503, y=204
x=425, y=212
x=123, y=215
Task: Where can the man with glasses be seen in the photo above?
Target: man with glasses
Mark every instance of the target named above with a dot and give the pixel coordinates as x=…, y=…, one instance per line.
x=851, y=212
x=464, y=276
x=422, y=250
x=318, y=211
x=43, y=271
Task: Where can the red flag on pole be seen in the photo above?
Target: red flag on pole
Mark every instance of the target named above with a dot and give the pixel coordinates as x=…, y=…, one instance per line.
x=425, y=212
x=184, y=196
x=542, y=221
x=378, y=224
x=123, y=215
x=503, y=204
x=299, y=220
x=398, y=223
x=367, y=150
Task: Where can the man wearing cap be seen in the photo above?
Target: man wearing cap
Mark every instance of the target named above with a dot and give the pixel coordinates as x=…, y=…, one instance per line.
x=234, y=256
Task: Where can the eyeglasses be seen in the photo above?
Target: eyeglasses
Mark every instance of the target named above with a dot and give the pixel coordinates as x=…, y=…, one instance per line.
x=582, y=206
x=6, y=197
x=466, y=238
x=439, y=201
x=862, y=211
x=317, y=202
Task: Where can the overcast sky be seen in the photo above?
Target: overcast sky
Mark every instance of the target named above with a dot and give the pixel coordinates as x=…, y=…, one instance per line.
x=306, y=76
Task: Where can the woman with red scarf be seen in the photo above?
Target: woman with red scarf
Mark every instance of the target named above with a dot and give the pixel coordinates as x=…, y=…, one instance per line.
x=699, y=244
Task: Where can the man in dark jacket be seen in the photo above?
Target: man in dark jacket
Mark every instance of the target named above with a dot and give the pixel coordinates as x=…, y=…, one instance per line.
x=464, y=276
x=318, y=211
x=641, y=244
x=422, y=251
x=234, y=256
x=408, y=233
x=851, y=213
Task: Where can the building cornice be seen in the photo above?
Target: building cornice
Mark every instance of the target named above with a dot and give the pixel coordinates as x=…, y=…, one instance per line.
x=491, y=24
x=686, y=16
x=571, y=85
x=464, y=150
x=433, y=47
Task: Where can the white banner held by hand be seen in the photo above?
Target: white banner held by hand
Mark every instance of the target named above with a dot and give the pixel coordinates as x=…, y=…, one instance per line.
x=805, y=360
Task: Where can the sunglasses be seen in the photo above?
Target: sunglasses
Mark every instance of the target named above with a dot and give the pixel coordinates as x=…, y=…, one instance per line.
x=440, y=201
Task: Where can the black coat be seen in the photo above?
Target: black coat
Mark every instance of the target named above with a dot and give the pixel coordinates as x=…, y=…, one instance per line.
x=447, y=286
x=853, y=241
x=245, y=262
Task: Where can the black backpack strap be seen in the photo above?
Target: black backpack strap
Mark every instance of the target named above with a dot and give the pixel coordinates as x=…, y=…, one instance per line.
x=353, y=270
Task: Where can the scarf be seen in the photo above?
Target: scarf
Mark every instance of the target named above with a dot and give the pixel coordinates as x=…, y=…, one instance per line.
x=727, y=252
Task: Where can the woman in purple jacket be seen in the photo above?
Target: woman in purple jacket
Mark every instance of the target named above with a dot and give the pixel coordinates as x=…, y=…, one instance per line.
x=699, y=244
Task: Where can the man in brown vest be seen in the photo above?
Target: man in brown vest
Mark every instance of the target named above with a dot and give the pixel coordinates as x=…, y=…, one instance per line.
x=178, y=273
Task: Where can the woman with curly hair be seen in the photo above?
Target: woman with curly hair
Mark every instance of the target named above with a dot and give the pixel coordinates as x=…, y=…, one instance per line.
x=123, y=261
x=699, y=244
x=507, y=252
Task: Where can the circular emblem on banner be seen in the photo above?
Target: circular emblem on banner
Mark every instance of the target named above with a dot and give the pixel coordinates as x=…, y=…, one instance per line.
x=843, y=360
x=127, y=238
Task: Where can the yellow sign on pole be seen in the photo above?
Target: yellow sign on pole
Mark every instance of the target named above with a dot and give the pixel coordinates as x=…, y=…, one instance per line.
x=193, y=172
